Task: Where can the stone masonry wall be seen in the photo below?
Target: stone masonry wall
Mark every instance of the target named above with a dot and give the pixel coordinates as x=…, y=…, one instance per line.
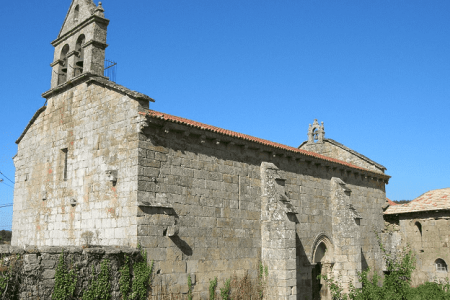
x=429, y=244
x=37, y=268
x=209, y=191
x=328, y=149
x=63, y=193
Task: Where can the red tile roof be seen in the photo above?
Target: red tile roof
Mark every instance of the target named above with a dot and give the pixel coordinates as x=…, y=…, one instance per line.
x=390, y=201
x=430, y=201
x=202, y=126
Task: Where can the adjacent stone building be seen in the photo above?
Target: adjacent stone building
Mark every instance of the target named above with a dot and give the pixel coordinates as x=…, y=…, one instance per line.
x=423, y=224
x=96, y=166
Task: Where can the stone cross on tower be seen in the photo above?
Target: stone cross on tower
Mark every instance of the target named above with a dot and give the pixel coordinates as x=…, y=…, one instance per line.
x=316, y=132
x=81, y=43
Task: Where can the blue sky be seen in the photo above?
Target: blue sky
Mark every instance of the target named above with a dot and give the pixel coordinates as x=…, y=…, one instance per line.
x=377, y=73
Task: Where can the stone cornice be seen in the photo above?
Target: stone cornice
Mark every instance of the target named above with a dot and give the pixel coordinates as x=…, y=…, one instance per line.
x=206, y=132
x=93, y=78
x=58, y=61
x=90, y=20
x=97, y=44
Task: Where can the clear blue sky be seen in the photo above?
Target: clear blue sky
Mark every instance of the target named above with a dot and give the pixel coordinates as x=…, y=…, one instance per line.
x=377, y=73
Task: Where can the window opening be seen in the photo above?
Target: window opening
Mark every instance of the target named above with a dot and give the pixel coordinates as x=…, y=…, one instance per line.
x=441, y=266
x=239, y=191
x=65, y=152
x=76, y=13
x=418, y=229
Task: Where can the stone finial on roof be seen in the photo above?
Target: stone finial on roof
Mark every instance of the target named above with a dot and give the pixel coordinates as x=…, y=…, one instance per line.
x=99, y=11
x=316, y=132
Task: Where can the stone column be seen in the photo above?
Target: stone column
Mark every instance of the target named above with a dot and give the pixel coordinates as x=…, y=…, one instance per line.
x=71, y=60
x=278, y=236
x=94, y=55
x=346, y=235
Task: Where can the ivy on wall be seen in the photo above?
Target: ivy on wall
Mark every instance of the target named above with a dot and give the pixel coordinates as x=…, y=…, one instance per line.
x=65, y=281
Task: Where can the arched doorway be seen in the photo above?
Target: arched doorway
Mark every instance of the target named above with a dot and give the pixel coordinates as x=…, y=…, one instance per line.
x=321, y=262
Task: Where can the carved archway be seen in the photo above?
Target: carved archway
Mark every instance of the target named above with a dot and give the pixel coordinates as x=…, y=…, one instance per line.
x=322, y=262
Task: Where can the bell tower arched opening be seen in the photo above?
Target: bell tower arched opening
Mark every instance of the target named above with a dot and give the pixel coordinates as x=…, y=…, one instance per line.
x=79, y=64
x=84, y=30
x=62, y=72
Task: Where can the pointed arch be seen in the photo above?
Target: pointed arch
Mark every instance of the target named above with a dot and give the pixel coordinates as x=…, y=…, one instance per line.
x=322, y=243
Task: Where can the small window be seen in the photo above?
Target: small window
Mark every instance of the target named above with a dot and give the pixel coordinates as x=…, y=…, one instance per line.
x=441, y=266
x=76, y=13
x=65, y=152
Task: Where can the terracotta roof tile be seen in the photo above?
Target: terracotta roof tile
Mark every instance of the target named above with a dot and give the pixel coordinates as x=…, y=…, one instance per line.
x=390, y=201
x=432, y=200
x=202, y=126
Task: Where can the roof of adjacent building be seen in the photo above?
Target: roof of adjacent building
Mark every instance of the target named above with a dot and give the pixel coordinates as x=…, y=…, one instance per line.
x=390, y=201
x=363, y=157
x=202, y=126
x=430, y=201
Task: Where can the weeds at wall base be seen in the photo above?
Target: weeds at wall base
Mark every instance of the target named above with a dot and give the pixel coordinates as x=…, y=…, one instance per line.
x=396, y=284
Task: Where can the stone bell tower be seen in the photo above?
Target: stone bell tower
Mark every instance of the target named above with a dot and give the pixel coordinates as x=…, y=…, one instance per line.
x=81, y=43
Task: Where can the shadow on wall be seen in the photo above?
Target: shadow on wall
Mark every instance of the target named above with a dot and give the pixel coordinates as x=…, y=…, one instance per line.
x=182, y=245
x=364, y=264
x=168, y=220
x=304, y=282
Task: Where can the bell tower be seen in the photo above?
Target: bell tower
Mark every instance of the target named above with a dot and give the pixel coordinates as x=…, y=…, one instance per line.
x=81, y=43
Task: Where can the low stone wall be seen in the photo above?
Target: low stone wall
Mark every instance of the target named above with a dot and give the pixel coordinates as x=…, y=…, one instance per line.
x=37, y=267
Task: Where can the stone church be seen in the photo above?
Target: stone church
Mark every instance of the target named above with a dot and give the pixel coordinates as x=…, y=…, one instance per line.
x=96, y=167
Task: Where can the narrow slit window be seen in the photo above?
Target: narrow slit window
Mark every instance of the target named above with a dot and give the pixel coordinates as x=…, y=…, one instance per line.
x=65, y=152
x=76, y=13
x=239, y=191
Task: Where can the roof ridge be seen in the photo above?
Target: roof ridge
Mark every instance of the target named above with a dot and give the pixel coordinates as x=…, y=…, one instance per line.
x=203, y=126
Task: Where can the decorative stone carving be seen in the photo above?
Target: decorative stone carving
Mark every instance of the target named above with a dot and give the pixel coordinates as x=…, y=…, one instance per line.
x=275, y=192
x=172, y=230
x=142, y=123
x=112, y=176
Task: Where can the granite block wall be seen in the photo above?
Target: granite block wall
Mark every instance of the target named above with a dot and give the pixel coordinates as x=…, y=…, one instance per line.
x=210, y=191
x=36, y=268
x=427, y=233
x=64, y=188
